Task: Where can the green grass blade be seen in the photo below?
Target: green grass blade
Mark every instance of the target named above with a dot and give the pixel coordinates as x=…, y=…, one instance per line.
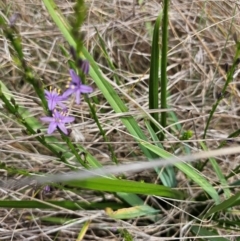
x=154, y=74
x=164, y=66
x=126, y=186
x=71, y=205
x=230, y=202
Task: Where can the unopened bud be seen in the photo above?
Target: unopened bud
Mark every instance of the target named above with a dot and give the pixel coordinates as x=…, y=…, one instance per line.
x=13, y=19
x=84, y=65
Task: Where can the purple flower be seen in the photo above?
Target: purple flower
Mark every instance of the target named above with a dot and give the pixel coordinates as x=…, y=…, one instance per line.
x=76, y=86
x=53, y=97
x=58, y=119
x=47, y=189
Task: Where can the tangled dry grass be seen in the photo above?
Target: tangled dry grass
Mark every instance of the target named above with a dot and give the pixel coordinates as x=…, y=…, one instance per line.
x=200, y=44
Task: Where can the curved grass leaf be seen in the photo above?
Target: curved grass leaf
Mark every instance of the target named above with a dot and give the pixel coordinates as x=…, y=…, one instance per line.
x=230, y=202
x=126, y=186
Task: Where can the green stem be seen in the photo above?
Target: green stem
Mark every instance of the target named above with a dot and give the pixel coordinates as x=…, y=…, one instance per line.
x=229, y=79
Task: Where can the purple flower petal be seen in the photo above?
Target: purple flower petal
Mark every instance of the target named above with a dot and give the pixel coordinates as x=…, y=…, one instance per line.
x=62, y=105
x=78, y=97
x=47, y=119
x=68, y=119
x=68, y=92
x=86, y=89
x=62, y=97
x=56, y=114
x=75, y=78
x=47, y=189
x=63, y=128
x=47, y=93
x=76, y=86
x=58, y=119
x=52, y=127
x=52, y=104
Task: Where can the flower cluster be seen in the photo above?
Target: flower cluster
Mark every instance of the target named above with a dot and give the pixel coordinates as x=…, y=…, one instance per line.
x=54, y=99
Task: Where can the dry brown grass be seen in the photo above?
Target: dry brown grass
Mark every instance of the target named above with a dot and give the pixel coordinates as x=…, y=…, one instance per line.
x=200, y=43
